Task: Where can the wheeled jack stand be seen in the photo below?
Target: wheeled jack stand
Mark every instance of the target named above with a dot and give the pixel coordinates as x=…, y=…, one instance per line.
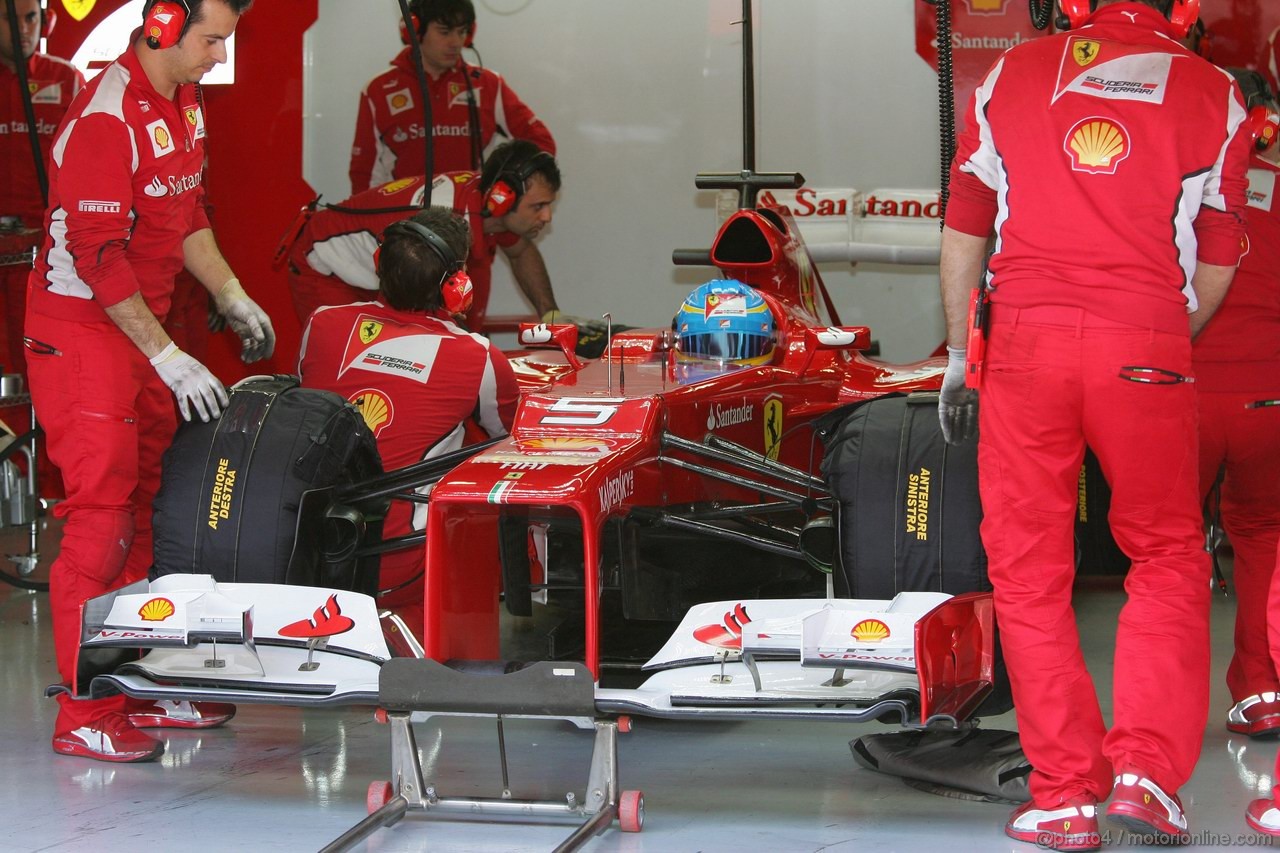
x=412, y=691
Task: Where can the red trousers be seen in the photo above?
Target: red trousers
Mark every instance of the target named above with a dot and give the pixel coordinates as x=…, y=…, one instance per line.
x=109, y=419
x=1247, y=442
x=1053, y=384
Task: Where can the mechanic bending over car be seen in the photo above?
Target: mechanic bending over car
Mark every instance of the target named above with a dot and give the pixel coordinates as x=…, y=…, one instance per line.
x=414, y=374
x=469, y=105
x=1120, y=222
x=507, y=205
x=99, y=360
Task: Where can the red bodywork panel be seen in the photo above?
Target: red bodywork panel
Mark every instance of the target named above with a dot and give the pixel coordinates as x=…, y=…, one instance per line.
x=589, y=441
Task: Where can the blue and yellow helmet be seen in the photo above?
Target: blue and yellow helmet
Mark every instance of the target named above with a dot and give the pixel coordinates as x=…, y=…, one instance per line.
x=725, y=321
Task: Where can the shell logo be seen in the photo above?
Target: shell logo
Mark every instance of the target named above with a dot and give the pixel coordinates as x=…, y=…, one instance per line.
x=1097, y=145
x=162, y=137
x=376, y=409
x=564, y=443
x=156, y=610
x=870, y=631
x=399, y=101
x=395, y=186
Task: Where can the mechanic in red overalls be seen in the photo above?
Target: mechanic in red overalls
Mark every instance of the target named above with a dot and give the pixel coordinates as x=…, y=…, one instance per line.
x=506, y=205
x=1264, y=814
x=1109, y=162
x=125, y=215
x=468, y=105
x=414, y=374
x=1237, y=364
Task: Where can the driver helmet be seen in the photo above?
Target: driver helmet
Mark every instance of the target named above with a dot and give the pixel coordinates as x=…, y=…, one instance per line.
x=725, y=321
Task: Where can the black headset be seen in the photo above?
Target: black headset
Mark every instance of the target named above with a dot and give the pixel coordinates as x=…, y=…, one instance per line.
x=455, y=284
x=502, y=196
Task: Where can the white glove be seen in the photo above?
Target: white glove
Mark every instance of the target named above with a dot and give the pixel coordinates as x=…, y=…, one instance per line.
x=250, y=323
x=191, y=382
x=957, y=405
x=587, y=327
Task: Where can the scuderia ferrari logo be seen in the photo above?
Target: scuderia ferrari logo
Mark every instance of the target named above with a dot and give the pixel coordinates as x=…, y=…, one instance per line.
x=1085, y=51
x=369, y=331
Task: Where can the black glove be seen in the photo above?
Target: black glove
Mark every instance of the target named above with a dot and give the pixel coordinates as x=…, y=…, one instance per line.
x=957, y=405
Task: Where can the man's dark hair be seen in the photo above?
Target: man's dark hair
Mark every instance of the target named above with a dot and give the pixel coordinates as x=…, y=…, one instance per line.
x=512, y=158
x=450, y=13
x=409, y=270
x=1161, y=6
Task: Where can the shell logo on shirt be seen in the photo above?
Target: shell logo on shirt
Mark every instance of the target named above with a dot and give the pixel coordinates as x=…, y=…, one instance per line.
x=399, y=101
x=1096, y=145
x=986, y=7
x=1085, y=51
x=395, y=186
x=376, y=409
x=161, y=139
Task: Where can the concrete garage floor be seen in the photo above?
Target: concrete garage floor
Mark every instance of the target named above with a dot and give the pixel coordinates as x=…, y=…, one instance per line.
x=288, y=779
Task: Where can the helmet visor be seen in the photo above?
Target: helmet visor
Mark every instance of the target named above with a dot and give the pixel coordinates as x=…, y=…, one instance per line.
x=725, y=345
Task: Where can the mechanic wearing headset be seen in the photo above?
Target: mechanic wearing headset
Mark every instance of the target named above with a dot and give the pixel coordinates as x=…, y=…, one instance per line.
x=506, y=206
x=1109, y=202
x=1237, y=365
x=431, y=377
x=468, y=105
x=125, y=215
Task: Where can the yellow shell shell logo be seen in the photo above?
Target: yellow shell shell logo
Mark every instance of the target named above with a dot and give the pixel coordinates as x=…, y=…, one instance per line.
x=156, y=610
x=1097, y=145
x=162, y=137
x=399, y=101
x=375, y=408
x=870, y=631
x=566, y=443
x=395, y=186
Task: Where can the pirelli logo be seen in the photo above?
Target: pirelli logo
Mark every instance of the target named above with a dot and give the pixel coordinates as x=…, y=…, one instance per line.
x=92, y=206
x=224, y=488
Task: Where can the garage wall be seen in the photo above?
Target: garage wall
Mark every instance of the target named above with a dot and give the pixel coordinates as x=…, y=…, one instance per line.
x=640, y=97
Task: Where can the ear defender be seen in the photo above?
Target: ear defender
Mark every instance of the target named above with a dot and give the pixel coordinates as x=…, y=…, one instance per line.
x=1264, y=125
x=455, y=285
x=48, y=20
x=508, y=186
x=164, y=23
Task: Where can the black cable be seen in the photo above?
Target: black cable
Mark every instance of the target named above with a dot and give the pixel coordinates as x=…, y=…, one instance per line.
x=415, y=50
x=1041, y=13
x=946, y=105
x=473, y=118
x=33, y=131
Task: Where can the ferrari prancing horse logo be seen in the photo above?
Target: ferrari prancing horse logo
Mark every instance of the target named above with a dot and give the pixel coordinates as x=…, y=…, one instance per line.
x=772, y=427
x=369, y=331
x=1085, y=51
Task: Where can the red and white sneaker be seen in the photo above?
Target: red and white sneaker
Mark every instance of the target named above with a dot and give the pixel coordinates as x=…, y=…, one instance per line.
x=1256, y=716
x=1264, y=816
x=1143, y=808
x=110, y=737
x=170, y=714
x=1071, y=826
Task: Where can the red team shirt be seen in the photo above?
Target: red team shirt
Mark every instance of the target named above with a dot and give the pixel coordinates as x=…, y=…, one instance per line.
x=341, y=243
x=1060, y=239
x=116, y=231
x=389, y=130
x=55, y=83
x=1239, y=350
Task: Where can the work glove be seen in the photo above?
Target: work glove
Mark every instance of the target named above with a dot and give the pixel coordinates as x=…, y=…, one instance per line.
x=250, y=323
x=957, y=405
x=191, y=382
x=585, y=326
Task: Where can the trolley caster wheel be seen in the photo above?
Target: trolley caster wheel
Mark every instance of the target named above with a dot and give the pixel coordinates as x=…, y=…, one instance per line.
x=376, y=798
x=380, y=715
x=624, y=724
x=630, y=811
